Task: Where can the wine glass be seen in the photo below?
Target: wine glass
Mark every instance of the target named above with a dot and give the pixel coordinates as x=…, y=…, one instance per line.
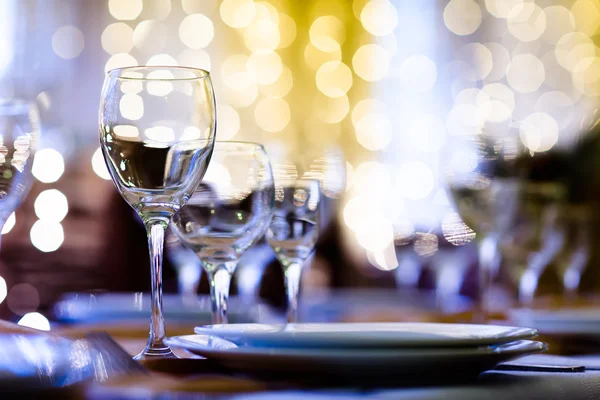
x=19, y=133
x=294, y=230
x=157, y=129
x=227, y=214
x=483, y=177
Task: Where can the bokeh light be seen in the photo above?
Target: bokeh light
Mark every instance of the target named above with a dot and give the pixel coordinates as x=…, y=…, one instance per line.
x=371, y=62
x=99, y=166
x=379, y=17
x=117, y=38
x=331, y=110
x=327, y=33
x=3, y=289
x=68, y=42
x=374, y=131
x=365, y=107
x=525, y=73
x=150, y=36
x=48, y=165
x=287, y=30
x=503, y=8
x=131, y=106
x=196, y=31
x=500, y=60
x=263, y=31
x=416, y=180
x=479, y=58
x=119, y=61
x=281, y=87
x=125, y=9
x=462, y=17
x=334, y=79
x=237, y=13
x=427, y=133
x=47, y=236
x=194, y=58
x=272, y=114
x=51, y=205
x=539, y=132
x=35, y=320
x=315, y=57
x=586, y=14
x=528, y=23
x=162, y=60
x=264, y=66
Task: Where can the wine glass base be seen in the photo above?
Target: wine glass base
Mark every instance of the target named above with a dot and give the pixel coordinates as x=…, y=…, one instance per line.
x=155, y=353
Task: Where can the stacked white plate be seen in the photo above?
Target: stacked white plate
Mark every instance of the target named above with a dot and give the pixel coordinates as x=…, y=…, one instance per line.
x=361, y=350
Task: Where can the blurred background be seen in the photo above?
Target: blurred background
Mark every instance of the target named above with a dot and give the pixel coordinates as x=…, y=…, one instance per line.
x=390, y=83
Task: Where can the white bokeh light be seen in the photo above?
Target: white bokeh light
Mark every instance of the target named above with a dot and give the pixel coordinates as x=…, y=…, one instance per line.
x=51, y=205
x=35, y=320
x=539, y=132
x=196, y=31
x=525, y=73
x=67, y=42
x=418, y=73
x=48, y=165
x=462, y=17
x=9, y=224
x=47, y=236
x=379, y=17
x=99, y=166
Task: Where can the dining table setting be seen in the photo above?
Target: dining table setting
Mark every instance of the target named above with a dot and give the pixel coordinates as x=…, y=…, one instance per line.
x=478, y=320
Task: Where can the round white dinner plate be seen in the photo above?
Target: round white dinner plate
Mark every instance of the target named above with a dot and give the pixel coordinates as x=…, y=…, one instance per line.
x=367, y=335
x=355, y=362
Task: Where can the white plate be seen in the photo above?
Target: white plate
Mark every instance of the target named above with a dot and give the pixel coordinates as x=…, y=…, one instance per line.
x=360, y=363
x=367, y=335
x=563, y=321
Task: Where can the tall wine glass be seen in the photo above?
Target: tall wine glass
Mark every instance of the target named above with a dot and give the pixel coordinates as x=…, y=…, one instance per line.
x=157, y=129
x=19, y=133
x=228, y=213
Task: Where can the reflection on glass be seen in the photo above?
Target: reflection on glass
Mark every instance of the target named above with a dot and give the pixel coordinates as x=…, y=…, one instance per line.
x=157, y=129
x=227, y=214
x=19, y=133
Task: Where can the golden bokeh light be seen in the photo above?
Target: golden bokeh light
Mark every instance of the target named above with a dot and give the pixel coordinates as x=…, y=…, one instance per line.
x=586, y=76
x=237, y=13
x=194, y=58
x=525, y=73
x=327, y=33
x=587, y=16
x=572, y=48
x=228, y=121
x=195, y=6
x=539, y=132
x=157, y=9
x=503, y=8
x=281, y=87
x=315, y=57
x=559, y=22
x=264, y=66
x=374, y=131
x=357, y=7
x=462, y=17
x=479, y=58
x=117, y=38
x=379, y=17
x=119, y=61
x=240, y=88
x=131, y=107
x=150, y=36
x=196, y=31
x=272, y=114
x=287, y=30
x=127, y=10
x=334, y=79
x=497, y=101
x=263, y=31
x=418, y=73
x=371, y=62
x=528, y=24
x=331, y=110
x=242, y=96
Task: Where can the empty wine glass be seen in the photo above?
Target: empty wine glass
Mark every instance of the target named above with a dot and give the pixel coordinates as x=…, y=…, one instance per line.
x=157, y=128
x=227, y=214
x=294, y=231
x=19, y=133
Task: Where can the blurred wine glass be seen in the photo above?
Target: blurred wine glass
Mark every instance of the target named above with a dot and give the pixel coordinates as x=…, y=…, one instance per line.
x=483, y=179
x=187, y=265
x=19, y=134
x=308, y=185
x=227, y=214
x=157, y=129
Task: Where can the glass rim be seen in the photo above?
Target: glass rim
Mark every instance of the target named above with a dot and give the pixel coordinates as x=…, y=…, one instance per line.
x=117, y=73
x=241, y=143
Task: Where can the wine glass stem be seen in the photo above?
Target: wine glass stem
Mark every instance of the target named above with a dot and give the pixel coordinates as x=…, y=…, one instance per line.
x=220, y=278
x=292, y=274
x=488, y=257
x=156, y=236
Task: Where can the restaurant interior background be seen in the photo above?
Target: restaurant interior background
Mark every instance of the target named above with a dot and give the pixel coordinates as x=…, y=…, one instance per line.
x=390, y=83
